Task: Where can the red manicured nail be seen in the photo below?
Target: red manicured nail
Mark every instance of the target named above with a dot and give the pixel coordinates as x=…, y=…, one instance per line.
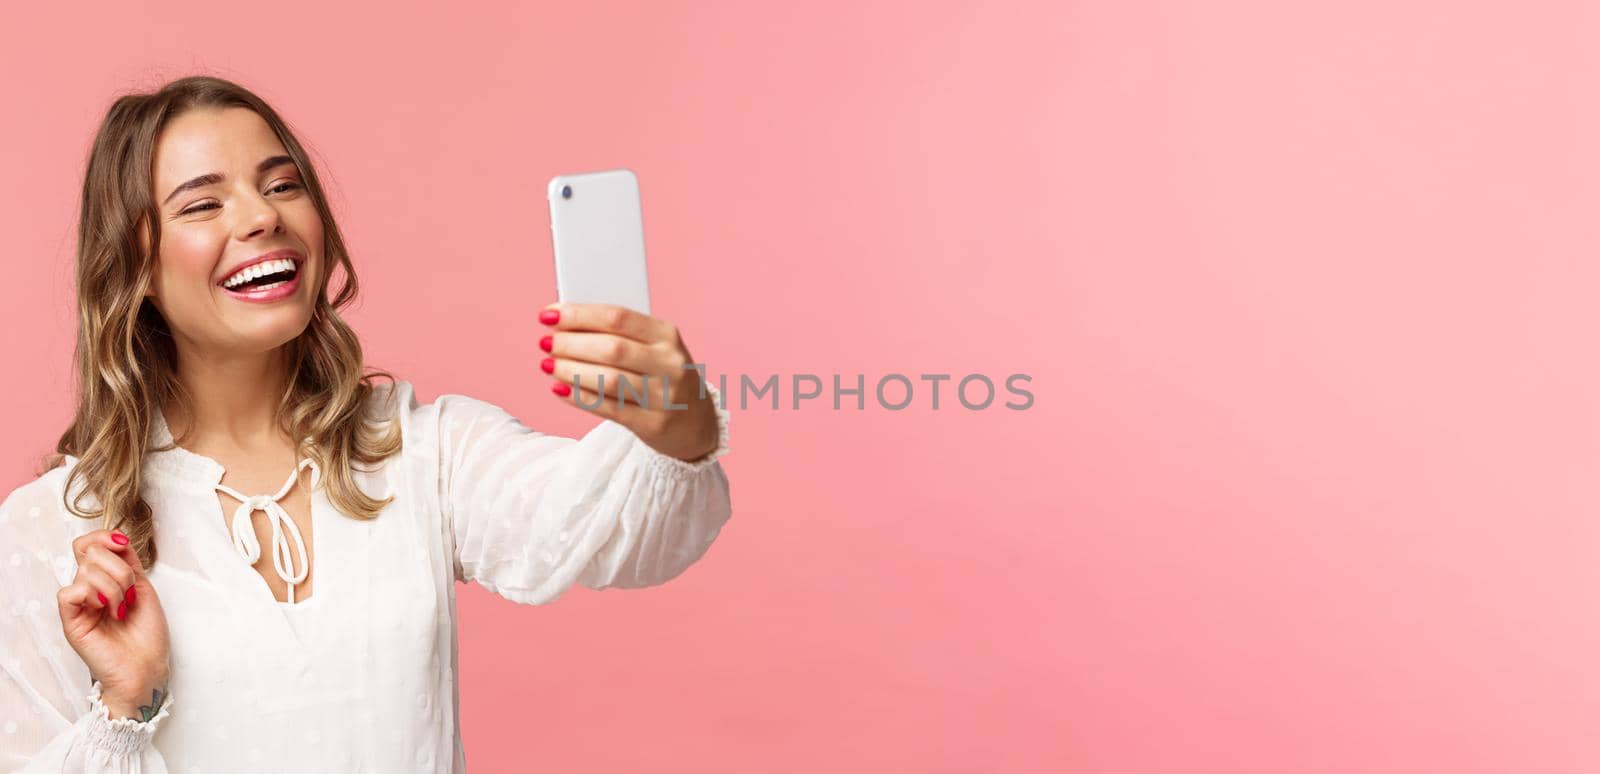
x=547, y=343
x=103, y=600
x=548, y=365
x=122, y=610
x=550, y=317
x=130, y=596
x=562, y=389
x=119, y=538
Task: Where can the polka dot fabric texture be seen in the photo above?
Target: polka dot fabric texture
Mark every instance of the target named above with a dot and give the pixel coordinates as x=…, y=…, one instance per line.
x=360, y=676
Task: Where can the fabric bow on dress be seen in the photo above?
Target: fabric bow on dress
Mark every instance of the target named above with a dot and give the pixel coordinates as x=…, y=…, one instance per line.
x=244, y=533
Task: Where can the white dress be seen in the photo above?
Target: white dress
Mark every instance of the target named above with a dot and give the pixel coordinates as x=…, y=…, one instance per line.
x=360, y=677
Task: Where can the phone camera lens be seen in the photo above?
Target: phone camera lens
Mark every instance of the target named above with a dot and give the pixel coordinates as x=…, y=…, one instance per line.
x=566, y=192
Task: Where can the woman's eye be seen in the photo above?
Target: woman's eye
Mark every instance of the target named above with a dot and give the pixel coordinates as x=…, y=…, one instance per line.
x=286, y=186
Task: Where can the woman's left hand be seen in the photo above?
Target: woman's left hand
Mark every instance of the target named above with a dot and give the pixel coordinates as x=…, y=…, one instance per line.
x=632, y=354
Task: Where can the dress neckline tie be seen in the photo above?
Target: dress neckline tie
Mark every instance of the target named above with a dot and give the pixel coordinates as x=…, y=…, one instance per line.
x=244, y=532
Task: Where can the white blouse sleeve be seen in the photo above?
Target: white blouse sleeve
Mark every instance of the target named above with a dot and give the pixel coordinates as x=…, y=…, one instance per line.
x=529, y=514
x=51, y=717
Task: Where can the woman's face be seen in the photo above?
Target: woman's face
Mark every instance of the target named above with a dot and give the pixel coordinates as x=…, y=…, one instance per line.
x=255, y=203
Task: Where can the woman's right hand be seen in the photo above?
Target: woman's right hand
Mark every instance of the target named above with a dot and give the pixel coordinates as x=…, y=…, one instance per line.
x=113, y=620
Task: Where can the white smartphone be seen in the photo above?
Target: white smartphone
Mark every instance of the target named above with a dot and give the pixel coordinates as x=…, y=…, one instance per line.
x=597, y=229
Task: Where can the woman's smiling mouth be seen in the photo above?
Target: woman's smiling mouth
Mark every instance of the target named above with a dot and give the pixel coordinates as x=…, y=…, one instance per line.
x=269, y=277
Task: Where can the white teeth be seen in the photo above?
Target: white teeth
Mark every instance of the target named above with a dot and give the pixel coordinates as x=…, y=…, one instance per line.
x=282, y=264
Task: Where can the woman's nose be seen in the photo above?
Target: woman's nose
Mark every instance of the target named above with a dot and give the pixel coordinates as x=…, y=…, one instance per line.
x=259, y=215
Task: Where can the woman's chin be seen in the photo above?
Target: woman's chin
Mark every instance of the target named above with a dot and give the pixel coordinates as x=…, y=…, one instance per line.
x=271, y=328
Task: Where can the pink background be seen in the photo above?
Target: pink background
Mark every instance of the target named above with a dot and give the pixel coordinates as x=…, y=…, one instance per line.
x=1306, y=294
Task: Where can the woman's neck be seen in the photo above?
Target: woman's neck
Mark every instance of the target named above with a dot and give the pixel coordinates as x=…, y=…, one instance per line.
x=234, y=401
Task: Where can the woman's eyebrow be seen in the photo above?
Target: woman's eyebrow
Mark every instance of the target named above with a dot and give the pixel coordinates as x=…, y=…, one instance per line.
x=213, y=178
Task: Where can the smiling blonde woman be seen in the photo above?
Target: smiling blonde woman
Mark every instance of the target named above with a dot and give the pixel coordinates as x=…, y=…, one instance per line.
x=243, y=555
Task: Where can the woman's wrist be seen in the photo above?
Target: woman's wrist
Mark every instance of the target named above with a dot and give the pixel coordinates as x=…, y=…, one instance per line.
x=140, y=703
x=680, y=468
x=127, y=735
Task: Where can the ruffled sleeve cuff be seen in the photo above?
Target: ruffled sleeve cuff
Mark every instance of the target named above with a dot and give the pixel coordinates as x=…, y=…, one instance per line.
x=682, y=469
x=122, y=736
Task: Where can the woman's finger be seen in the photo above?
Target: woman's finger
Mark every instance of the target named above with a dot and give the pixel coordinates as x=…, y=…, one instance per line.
x=111, y=540
x=113, y=565
x=108, y=592
x=76, y=595
x=608, y=349
x=605, y=406
x=78, y=599
x=632, y=387
x=609, y=318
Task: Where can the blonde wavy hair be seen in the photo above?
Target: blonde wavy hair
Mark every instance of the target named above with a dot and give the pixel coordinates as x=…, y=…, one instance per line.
x=125, y=360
